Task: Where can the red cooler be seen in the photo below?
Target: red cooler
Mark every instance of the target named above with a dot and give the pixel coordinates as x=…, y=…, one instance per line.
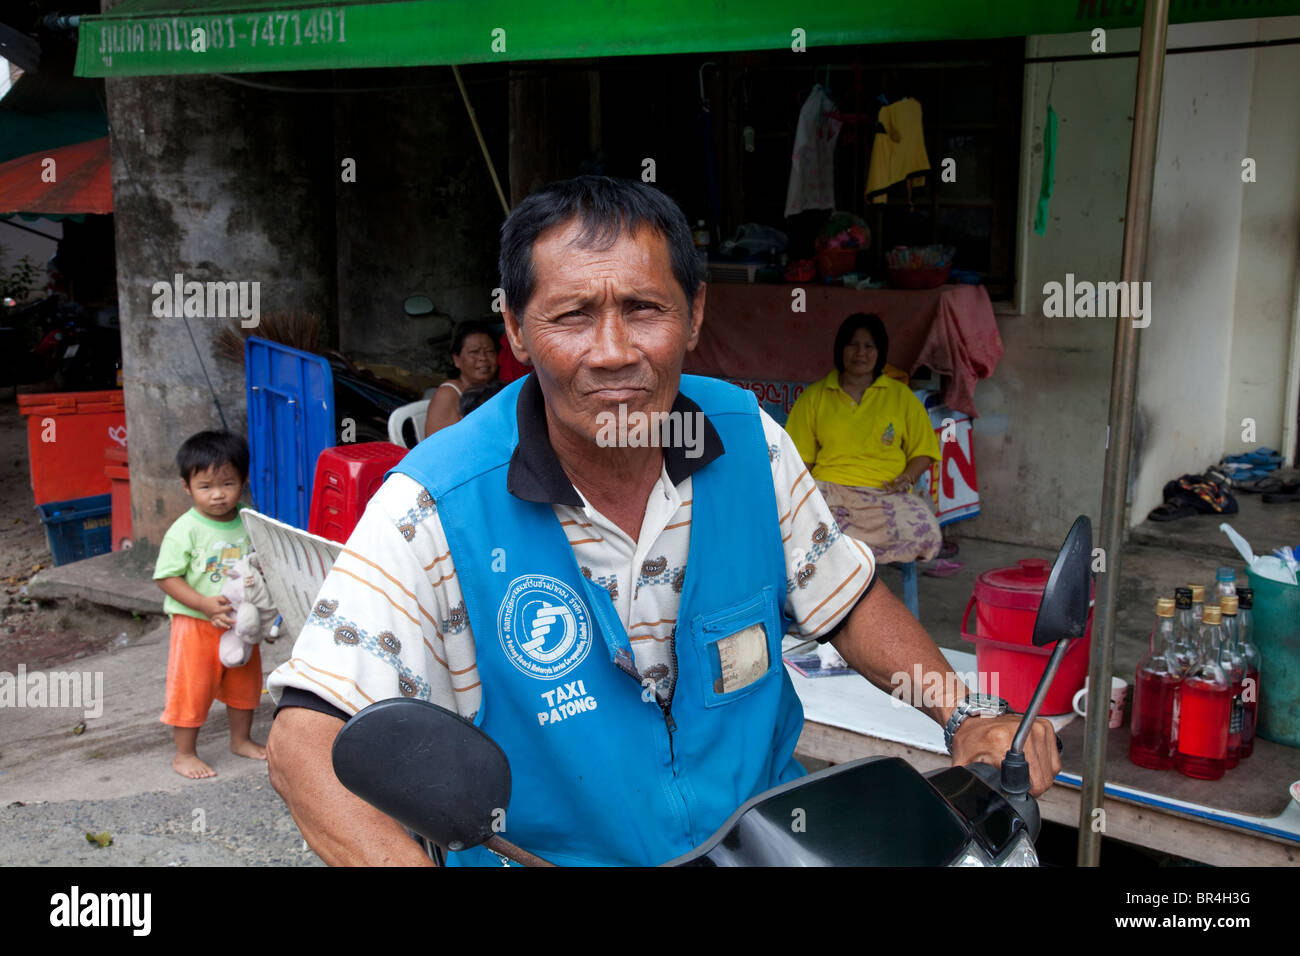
x=67, y=435
x=1006, y=603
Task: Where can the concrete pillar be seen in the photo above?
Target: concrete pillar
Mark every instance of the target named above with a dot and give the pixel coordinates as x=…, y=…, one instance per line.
x=218, y=182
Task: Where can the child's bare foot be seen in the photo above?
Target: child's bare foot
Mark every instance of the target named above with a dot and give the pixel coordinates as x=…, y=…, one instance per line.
x=248, y=748
x=189, y=765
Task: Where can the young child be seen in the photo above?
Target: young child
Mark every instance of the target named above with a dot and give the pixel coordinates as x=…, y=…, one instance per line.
x=193, y=557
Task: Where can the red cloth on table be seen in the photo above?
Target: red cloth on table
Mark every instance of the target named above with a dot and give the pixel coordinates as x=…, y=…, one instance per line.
x=750, y=332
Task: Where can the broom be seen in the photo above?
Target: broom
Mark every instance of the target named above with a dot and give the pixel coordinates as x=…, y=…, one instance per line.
x=298, y=330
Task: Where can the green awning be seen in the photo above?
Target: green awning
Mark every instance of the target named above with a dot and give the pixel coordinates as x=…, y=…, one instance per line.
x=159, y=37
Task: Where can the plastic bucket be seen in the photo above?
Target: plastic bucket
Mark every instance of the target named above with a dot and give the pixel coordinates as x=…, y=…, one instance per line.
x=1277, y=635
x=1006, y=604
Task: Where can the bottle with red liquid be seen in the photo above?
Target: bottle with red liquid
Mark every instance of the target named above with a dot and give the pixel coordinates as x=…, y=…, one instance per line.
x=1251, y=661
x=1205, y=707
x=1185, y=651
x=1154, y=691
x=1233, y=664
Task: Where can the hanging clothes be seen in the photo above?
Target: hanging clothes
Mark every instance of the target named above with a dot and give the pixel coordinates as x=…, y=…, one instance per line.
x=812, y=164
x=898, y=152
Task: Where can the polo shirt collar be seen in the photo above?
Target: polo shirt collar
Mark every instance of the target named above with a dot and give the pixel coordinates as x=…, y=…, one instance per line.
x=833, y=380
x=535, y=473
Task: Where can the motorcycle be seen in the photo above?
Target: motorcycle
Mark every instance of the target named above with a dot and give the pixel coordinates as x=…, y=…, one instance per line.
x=877, y=811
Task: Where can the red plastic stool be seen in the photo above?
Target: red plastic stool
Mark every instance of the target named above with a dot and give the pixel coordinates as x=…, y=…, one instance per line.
x=347, y=477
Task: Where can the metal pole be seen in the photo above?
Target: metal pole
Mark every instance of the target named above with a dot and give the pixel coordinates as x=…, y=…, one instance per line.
x=1119, y=431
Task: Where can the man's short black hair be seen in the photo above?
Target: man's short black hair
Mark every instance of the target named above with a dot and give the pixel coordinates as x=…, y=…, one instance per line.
x=875, y=327
x=606, y=208
x=212, y=450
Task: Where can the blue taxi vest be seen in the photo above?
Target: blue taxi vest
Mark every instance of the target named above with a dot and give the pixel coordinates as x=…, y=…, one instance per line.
x=601, y=773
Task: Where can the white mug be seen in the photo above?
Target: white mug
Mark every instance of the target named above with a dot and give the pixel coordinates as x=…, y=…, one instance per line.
x=1118, y=691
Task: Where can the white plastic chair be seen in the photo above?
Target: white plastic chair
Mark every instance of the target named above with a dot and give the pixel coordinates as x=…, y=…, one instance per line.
x=417, y=413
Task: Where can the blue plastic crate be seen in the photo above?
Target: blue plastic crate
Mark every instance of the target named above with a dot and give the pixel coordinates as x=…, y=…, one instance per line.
x=79, y=527
x=290, y=422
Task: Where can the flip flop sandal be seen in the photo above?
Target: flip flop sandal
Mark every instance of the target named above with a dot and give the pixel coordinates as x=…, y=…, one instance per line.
x=1266, y=484
x=949, y=550
x=1171, y=511
x=944, y=569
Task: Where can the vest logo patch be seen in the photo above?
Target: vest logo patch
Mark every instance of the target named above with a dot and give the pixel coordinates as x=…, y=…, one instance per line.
x=544, y=627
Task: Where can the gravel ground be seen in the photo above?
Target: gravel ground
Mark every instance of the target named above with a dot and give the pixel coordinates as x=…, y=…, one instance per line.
x=243, y=822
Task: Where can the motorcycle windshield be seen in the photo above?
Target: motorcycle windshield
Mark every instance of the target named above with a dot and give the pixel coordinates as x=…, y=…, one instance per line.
x=873, y=812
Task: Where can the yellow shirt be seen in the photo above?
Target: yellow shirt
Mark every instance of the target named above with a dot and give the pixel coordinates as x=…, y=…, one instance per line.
x=860, y=444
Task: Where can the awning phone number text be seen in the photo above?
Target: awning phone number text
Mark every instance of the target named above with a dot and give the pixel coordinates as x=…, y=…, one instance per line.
x=196, y=35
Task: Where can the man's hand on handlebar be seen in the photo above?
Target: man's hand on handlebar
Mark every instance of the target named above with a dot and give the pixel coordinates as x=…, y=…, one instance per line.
x=987, y=740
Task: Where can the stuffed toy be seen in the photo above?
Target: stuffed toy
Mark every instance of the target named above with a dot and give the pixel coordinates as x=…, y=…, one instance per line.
x=245, y=589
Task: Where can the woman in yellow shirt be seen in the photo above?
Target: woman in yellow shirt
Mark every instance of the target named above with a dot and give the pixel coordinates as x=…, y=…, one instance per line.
x=867, y=440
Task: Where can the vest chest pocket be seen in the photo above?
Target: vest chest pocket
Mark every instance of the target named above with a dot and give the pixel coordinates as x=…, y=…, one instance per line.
x=738, y=648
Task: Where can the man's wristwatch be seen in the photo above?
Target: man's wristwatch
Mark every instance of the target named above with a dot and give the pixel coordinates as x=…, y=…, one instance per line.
x=973, y=704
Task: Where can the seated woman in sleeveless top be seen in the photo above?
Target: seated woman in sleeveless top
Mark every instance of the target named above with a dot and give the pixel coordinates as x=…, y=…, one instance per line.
x=867, y=440
x=474, y=353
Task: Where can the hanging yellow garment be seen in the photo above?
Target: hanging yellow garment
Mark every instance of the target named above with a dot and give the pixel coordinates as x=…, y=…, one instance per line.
x=898, y=153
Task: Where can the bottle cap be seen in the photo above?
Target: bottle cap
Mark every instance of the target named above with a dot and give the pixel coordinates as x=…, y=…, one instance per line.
x=1228, y=604
x=1198, y=593
x=1164, y=607
x=1212, y=615
x=1183, y=598
x=1226, y=574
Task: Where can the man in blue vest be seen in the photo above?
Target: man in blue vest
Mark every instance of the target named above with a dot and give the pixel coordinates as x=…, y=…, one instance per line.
x=598, y=567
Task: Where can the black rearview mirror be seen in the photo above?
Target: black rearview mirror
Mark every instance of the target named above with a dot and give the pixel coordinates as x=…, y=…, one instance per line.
x=1063, y=611
x=430, y=770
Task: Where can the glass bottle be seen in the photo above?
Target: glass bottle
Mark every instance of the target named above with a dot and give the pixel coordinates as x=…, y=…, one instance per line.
x=1198, y=602
x=1185, y=650
x=1230, y=659
x=1251, y=662
x=1154, y=690
x=1205, y=706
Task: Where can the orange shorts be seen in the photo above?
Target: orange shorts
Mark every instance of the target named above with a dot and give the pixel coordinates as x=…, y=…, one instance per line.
x=196, y=677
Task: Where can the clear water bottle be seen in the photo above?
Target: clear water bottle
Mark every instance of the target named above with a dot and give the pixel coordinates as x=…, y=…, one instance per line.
x=1225, y=583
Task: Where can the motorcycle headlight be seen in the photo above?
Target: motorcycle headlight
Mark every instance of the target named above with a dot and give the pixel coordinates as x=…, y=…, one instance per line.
x=973, y=855
x=1022, y=853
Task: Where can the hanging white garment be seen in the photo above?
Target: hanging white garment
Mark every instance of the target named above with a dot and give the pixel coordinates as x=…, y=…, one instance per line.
x=812, y=164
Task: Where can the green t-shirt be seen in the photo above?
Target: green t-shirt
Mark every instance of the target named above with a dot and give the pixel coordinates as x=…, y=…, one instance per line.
x=199, y=550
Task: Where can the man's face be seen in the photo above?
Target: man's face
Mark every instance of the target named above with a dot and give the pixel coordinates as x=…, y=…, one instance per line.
x=604, y=328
